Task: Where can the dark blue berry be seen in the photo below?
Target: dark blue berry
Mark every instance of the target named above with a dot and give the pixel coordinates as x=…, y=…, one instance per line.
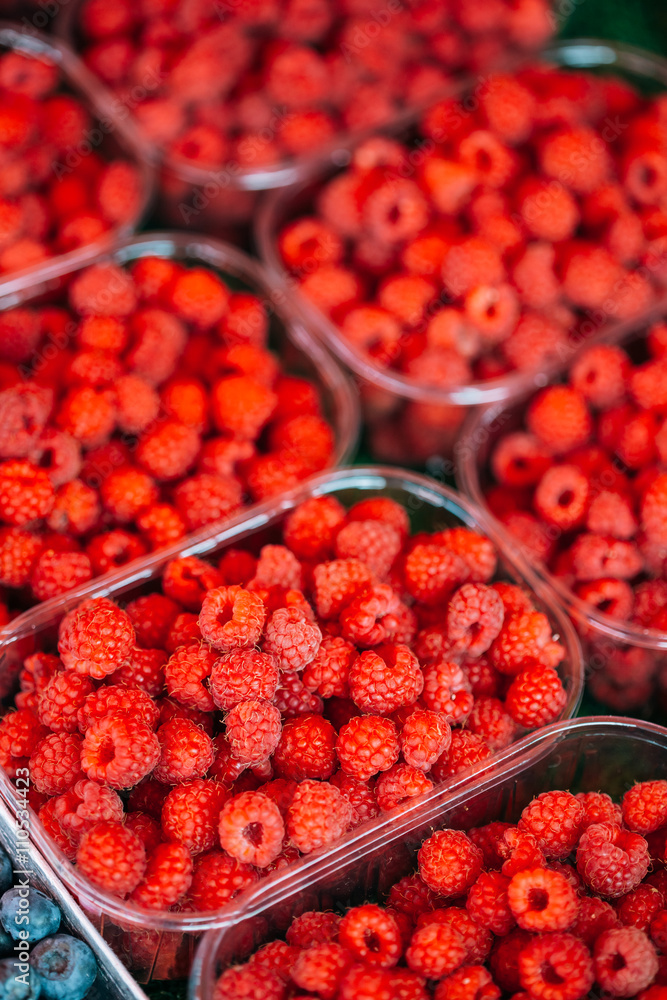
x=65, y=967
x=28, y=910
x=15, y=983
x=6, y=871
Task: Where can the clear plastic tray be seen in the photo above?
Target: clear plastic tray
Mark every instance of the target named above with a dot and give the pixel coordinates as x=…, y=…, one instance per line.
x=161, y=944
x=607, y=642
x=113, y=981
x=582, y=755
x=121, y=138
x=386, y=393
x=289, y=337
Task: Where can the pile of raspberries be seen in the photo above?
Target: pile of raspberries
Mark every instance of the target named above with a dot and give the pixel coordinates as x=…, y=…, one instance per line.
x=583, y=488
x=555, y=907
x=60, y=188
x=252, y=84
x=142, y=407
x=256, y=710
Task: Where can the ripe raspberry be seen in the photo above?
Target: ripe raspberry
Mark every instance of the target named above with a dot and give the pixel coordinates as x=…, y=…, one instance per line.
x=183, y=632
x=467, y=982
x=611, y=861
x=119, y=751
x=449, y=862
x=185, y=672
x=432, y=572
x=277, y=567
x=490, y=720
x=55, y=763
x=542, y=900
x=424, y=737
x=112, y=699
x=168, y=449
x=167, y=877
x=112, y=549
x=241, y=675
x=556, y=966
x=187, y=580
x=86, y=804
x=55, y=573
x=639, y=907
x=18, y=553
x=96, y=638
x=519, y=460
x=241, y=406
x=477, y=940
x=371, y=935
x=318, y=816
x=435, y=950
x=320, y=968
x=76, y=509
x=576, y=157
x=20, y=734
x=310, y=529
x=488, y=905
x=327, y=674
x=241, y=981
x=625, y=961
x=191, y=811
x=144, y=670
x=146, y=828
x=199, y=296
x=292, y=698
x=559, y=418
x=599, y=808
x=561, y=497
x=381, y=509
x=611, y=514
x=186, y=752
x=24, y=411
x=313, y=927
x=466, y=750
x=88, y=414
x=645, y=806
x=204, y=498
x=374, y=543
x=522, y=640
x=520, y=850
x=652, y=511
x=600, y=374
x=231, y=618
x=26, y=492
x=362, y=982
x=127, y=491
x=360, y=795
x=307, y=749
x=60, y=699
x=376, y=615
x=385, y=679
x=278, y=956
x=251, y=828
x=367, y=745
x=112, y=857
x=471, y=263
x=535, y=697
x=336, y=583
x=554, y=819
x=474, y=618
x=400, y=782
x=291, y=638
x=253, y=729
x=447, y=690
x=595, y=916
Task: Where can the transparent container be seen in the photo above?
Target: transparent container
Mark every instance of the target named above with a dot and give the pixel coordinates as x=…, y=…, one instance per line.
x=393, y=401
x=113, y=982
x=161, y=944
x=288, y=336
x=119, y=137
x=595, y=754
x=616, y=653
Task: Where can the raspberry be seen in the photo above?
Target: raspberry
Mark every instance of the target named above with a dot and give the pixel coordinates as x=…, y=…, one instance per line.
x=96, y=638
x=167, y=877
x=278, y=956
x=146, y=828
x=253, y=729
x=327, y=674
x=112, y=857
x=548, y=210
x=556, y=966
x=554, y=819
x=639, y=907
x=278, y=567
x=60, y=699
x=449, y=862
x=435, y=950
x=55, y=573
x=561, y=497
x=18, y=552
x=523, y=639
x=244, y=981
x=625, y=961
x=488, y=904
x=86, y=804
x=559, y=418
x=167, y=450
x=424, y=737
x=652, y=512
x=24, y=411
x=185, y=672
x=191, y=811
x=187, y=580
x=474, y=618
x=376, y=615
x=542, y=900
x=600, y=374
x=471, y=263
x=240, y=675
x=374, y=543
x=467, y=982
x=447, y=690
x=55, y=763
x=320, y=968
x=362, y=982
x=291, y=639
x=186, y=752
x=76, y=509
x=367, y=745
x=318, y=816
x=119, y=751
x=26, y=492
x=313, y=927
x=310, y=528
x=476, y=551
x=381, y=509
x=385, y=679
x=490, y=720
x=599, y=808
x=143, y=670
x=159, y=340
x=371, y=935
x=645, y=806
x=336, y=583
x=231, y=618
x=130, y=703
x=292, y=698
x=87, y=413
x=361, y=796
x=477, y=940
x=202, y=499
x=112, y=549
x=20, y=734
x=161, y=525
x=611, y=861
x=611, y=514
x=126, y=491
x=595, y=916
x=466, y=750
x=251, y=829
x=432, y=572
x=535, y=697
x=241, y=406
x=400, y=782
x=307, y=749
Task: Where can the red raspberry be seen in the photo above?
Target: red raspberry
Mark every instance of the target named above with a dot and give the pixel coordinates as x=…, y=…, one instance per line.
x=187, y=580
x=449, y=862
x=366, y=746
x=88, y=414
x=645, y=806
x=400, y=782
x=86, y=804
x=471, y=263
x=577, y=157
x=435, y=950
x=488, y=905
x=327, y=674
x=76, y=509
x=24, y=411
x=243, y=981
x=432, y=572
x=467, y=982
x=477, y=940
x=519, y=459
x=320, y=968
x=520, y=851
x=161, y=525
x=277, y=567
x=611, y=514
x=556, y=966
x=318, y=816
x=241, y=675
x=204, y=498
x=119, y=751
x=191, y=811
x=385, y=679
x=639, y=907
x=548, y=210
x=381, y=509
x=183, y=632
x=112, y=549
x=375, y=615
x=652, y=512
x=253, y=729
x=96, y=638
x=535, y=697
x=186, y=752
x=559, y=418
x=490, y=720
x=20, y=734
x=313, y=927
x=611, y=861
x=112, y=857
x=130, y=703
x=503, y=960
x=625, y=961
x=18, y=553
x=336, y=583
x=60, y=699
x=237, y=567
x=291, y=638
x=231, y=618
x=310, y=528
x=292, y=698
x=474, y=618
x=185, y=672
x=167, y=450
x=199, y=296
x=600, y=374
x=166, y=879
x=466, y=750
x=55, y=573
x=599, y=808
x=55, y=763
x=307, y=749
x=561, y=497
x=476, y=551
x=278, y=956
x=251, y=828
x=374, y=543
x=241, y=406
x=137, y=404
x=542, y=900
x=26, y=492
x=522, y=640
x=362, y=982
x=371, y=935
x=127, y=491
x=424, y=737
x=146, y=828
x=143, y=670
x=447, y=690
x=360, y=795
x=595, y=916
x=554, y=819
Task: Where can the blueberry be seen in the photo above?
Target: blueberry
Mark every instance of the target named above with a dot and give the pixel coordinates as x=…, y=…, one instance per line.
x=6, y=942
x=65, y=967
x=16, y=984
x=23, y=909
x=6, y=871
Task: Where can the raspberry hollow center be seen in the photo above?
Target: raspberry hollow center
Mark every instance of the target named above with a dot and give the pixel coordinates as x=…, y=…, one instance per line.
x=617, y=962
x=106, y=752
x=538, y=899
x=549, y=975
x=566, y=498
x=371, y=940
x=254, y=833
